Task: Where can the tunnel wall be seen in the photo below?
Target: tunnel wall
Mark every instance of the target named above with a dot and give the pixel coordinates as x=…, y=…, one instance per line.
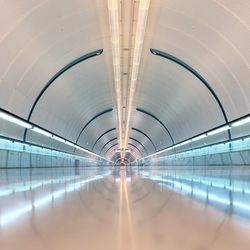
x=14, y=159
x=223, y=159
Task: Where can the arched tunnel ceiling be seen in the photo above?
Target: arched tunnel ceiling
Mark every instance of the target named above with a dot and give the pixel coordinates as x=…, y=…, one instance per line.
x=38, y=38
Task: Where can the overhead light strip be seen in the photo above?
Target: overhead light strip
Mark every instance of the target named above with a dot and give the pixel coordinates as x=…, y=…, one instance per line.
x=241, y=122
x=218, y=130
x=21, y=122
x=139, y=38
x=236, y=123
x=114, y=23
x=14, y=120
x=41, y=131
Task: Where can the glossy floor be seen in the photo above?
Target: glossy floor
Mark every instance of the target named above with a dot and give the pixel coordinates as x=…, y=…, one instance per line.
x=116, y=212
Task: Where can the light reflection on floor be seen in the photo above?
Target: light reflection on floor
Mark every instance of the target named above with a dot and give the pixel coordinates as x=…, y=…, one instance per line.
x=119, y=211
x=8, y=216
x=235, y=199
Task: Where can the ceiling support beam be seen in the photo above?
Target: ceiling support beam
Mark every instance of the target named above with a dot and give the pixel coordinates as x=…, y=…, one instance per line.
x=159, y=121
x=197, y=75
x=56, y=76
x=91, y=120
x=141, y=132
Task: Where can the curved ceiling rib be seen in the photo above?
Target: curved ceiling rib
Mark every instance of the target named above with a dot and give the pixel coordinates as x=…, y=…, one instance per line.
x=107, y=144
x=197, y=75
x=141, y=132
x=133, y=139
x=131, y=158
x=91, y=120
x=120, y=160
x=110, y=148
x=132, y=145
x=58, y=74
x=158, y=120
x=106, y=132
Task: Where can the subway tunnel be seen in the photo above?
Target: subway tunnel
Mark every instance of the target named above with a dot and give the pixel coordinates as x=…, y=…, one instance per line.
x=125, y=124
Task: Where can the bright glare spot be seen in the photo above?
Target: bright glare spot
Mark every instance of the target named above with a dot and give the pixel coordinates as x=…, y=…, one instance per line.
x=5, y=192
x=58, y=193
x=8, y=217
x=218, y=199
x=43, y=201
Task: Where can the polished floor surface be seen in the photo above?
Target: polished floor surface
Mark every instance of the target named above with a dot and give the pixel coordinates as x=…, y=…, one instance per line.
x=121, y=213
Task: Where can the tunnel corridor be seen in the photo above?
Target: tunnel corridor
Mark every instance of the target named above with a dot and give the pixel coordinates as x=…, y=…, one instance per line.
x=125, y=124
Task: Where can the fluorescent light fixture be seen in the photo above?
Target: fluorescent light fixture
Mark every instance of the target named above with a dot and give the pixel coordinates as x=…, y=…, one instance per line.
x=185, y=142
x=58, y=138
x=197, y=138
x=157, y=153
x=218, y=130
x=241, y=122
x=139, y=37
x=78, y=147
x=42, y=132
x=10, y=216
x=15, y=120
x=162, y=151
x=70, y=143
